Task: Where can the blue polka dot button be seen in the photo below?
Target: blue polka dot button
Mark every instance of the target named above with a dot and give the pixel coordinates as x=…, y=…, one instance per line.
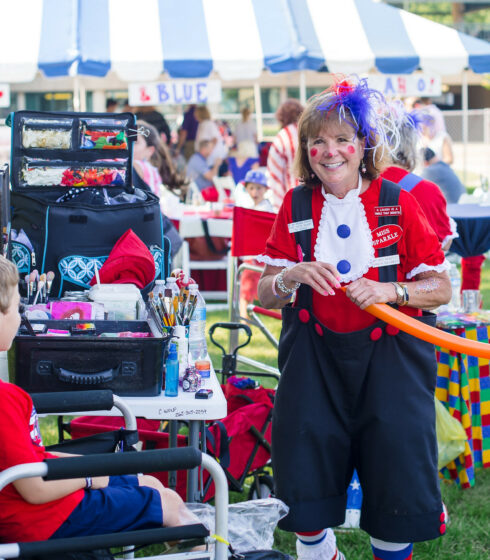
x=343, y=231
x=343, y=267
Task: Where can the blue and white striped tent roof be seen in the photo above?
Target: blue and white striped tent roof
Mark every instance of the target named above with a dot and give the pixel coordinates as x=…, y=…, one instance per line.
x=141, y=40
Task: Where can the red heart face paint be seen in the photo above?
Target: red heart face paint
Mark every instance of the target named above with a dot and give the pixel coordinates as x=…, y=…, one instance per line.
x=313, y=152
x=351, y=149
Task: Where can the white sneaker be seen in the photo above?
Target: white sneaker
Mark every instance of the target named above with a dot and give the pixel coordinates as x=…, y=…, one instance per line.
x=326, y=550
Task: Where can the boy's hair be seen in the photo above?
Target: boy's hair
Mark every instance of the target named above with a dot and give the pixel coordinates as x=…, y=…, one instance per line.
x=204, y=144
x=9, y=278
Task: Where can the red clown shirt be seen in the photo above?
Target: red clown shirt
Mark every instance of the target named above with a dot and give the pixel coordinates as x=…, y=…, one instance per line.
x=345, y=233
x=20, y=442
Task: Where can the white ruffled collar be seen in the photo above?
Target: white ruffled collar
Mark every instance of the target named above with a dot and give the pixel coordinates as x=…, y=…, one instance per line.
x=344, y=237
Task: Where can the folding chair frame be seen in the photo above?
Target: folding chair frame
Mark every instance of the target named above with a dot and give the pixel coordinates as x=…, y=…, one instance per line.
x=124, y=463
x=234, y=274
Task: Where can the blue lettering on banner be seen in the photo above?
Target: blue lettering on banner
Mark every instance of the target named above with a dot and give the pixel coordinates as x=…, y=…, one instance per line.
x=389, y=86
x=163, y=94
x=187, y=92
x=201, y=93
x=421, y=84
x=176, y=98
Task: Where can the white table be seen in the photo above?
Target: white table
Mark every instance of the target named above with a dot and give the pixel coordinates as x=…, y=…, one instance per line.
x=183, y=407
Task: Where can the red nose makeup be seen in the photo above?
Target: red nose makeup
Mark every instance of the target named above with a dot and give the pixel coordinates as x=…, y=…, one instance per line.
x=313, y=152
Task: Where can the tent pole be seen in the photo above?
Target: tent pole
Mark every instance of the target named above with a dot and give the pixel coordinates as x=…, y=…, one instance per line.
x=464, y=106
x=258, y=112
x=76, y=94
x=302, y=87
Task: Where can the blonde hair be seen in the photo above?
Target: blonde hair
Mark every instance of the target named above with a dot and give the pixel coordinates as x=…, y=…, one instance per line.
x=202, y=113
x=312, y=120
x=245, y=113
x=246, y=149
x=9, y=279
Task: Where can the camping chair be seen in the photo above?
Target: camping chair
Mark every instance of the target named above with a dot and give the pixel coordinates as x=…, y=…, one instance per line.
x=223, y=184
x=246, y=245
x=104, y=464
x=71, y=402
x=207, y=229
x=99, y=460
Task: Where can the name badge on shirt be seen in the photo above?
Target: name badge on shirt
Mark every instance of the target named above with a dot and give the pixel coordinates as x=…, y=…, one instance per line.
x=386, y=261
x=387, y=211
x=384, y=236
x=293, y=227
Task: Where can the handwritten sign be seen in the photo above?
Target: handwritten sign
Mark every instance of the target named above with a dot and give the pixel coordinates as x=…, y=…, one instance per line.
x=4, y=95
x=406, y=85
x=175, y=92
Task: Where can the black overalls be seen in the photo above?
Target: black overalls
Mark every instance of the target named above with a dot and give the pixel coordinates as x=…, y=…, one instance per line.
x=362, y=400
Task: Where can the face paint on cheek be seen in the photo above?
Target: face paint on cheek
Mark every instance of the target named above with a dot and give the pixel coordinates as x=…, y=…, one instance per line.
x=313, y=152
x=351, y=149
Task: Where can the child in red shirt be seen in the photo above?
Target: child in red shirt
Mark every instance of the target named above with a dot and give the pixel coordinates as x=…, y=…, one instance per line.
x=35, y=509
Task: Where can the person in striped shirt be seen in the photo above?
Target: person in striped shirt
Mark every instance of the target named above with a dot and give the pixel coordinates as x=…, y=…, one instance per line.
x=282, y=151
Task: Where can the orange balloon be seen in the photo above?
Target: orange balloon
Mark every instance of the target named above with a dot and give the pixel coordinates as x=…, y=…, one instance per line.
x=428, y=333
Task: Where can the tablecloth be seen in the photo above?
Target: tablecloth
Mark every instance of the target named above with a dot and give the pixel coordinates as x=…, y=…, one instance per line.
x=463, y=385
x=473, y=222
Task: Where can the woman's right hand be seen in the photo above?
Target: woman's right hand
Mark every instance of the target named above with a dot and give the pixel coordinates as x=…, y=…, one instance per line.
x=322, y=277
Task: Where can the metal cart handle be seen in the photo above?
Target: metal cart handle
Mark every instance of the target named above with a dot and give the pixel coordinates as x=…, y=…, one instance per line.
x=95, y=378
x=230, y=326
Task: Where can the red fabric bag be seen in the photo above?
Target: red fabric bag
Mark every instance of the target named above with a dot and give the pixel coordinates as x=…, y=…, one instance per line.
x=148, y=434
x=129, y=262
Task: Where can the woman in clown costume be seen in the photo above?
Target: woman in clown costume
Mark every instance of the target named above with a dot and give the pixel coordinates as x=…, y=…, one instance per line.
x=355, y=393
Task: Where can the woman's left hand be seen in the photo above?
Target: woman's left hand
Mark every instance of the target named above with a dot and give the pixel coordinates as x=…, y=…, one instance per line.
x=364, y=292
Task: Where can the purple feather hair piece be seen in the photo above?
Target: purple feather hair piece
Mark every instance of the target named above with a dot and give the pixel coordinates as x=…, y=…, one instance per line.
x=362, y=104
x=417, y=119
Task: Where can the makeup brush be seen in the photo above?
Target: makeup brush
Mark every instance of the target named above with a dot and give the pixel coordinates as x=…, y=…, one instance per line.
x=96, y=269
x=32, y=281
x=163, y=307
x=40, y=287
x=49, y=283
x=27, y=287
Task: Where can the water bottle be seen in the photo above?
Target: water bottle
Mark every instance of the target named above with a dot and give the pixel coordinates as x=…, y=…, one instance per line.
x=455, y=277
x=159, y=287
x=197, y=326
x=171, y=283
x=182, y=349
x=172, y=372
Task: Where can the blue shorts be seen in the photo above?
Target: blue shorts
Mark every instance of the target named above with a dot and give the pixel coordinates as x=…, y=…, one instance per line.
x=122, y=506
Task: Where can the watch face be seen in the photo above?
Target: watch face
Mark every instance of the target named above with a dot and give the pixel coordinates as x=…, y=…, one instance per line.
x=399, y=291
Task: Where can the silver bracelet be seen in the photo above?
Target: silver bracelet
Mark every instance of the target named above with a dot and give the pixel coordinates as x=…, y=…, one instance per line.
x=280, y=283
x=88, y=482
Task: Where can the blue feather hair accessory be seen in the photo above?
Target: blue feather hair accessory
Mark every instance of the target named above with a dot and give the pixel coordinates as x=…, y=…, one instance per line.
x=363, y=108
x=415, y=119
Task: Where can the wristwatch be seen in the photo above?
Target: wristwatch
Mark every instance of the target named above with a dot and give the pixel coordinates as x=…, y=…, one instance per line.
x=401, y=293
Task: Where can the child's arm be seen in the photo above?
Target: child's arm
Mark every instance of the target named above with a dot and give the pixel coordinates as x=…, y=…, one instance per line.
x=38, y=491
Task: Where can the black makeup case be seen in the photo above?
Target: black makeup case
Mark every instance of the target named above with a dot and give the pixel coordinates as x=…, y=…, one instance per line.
x=72, y=191
x=127, y=366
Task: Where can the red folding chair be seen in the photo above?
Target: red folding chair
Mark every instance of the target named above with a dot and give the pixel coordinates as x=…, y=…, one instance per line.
x=251, y=228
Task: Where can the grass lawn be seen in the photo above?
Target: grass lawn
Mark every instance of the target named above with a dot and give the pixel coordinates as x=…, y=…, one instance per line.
x=467, y=537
